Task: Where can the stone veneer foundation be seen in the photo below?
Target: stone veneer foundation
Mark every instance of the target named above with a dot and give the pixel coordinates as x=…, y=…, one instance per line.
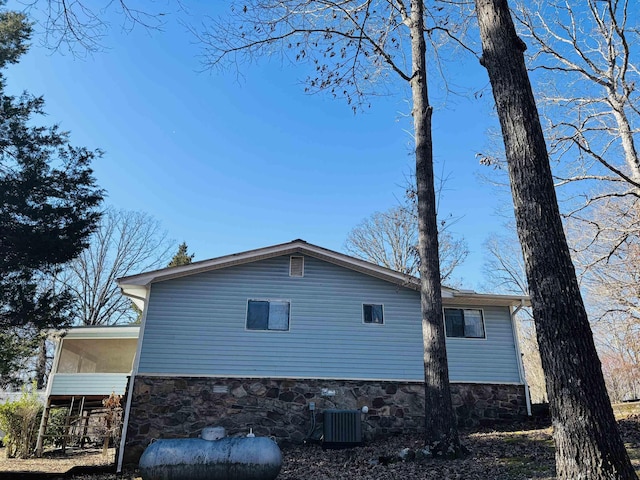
x=175, y=407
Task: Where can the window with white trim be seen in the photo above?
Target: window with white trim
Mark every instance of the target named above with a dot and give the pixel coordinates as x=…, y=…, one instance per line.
x=373, y=313
x=464, y=323
x=268, y=315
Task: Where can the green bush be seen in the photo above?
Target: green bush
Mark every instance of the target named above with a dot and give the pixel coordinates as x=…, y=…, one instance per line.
x=56, y=426
x=20, y=421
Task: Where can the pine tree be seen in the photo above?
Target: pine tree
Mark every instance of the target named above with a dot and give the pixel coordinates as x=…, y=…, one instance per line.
x=181, y=257
x=48, y=201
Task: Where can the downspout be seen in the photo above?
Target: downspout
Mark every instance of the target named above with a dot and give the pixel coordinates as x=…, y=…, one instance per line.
x=143, y=299
x=134, y=372
x=516, y=340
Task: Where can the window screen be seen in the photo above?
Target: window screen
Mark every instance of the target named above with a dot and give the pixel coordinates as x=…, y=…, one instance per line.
x=454, y=322
x=373, y=313
x=473, y=324
x=465, y=323
x=267, y=315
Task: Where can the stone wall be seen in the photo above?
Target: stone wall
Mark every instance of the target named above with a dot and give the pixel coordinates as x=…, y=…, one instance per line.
x=175, y=407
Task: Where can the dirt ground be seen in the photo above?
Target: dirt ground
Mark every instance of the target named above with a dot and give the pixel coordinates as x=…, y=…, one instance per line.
x=517, y=452
x=55, y=462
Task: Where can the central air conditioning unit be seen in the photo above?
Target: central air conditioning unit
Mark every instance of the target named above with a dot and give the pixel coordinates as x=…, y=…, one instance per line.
x=342, y=428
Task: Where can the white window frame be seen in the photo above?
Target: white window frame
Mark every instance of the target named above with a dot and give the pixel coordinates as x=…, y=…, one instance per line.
x=384, y=322
x=484, y=323
x=246, y=315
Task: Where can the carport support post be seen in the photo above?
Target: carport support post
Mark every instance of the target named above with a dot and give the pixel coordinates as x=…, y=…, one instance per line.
x=43, y=427
x=67, y=427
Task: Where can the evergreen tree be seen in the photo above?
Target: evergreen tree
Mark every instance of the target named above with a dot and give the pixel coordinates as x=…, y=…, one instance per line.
x=48, y=202
x=181, y=257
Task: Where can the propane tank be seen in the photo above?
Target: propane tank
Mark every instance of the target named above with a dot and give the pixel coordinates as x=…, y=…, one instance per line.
x=247, y=458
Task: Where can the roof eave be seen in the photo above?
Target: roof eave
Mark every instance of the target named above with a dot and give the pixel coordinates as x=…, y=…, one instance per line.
x=473, y=298
x=127, y=284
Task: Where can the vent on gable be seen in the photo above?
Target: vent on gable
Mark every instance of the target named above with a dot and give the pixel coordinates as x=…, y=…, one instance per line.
x=296, y=267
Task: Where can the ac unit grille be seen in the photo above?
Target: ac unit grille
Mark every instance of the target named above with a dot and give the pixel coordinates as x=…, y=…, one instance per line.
x=342, y=428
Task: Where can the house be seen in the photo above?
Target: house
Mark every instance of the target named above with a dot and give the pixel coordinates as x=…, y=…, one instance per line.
x=268, y=339
x=89, y=364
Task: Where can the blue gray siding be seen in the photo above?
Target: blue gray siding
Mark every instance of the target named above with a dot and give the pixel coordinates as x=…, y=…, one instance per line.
x=195, y=325
x=88, y=383
x=492, y=359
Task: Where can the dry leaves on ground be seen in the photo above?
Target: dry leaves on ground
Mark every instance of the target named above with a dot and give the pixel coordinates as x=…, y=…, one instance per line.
x=521, y=452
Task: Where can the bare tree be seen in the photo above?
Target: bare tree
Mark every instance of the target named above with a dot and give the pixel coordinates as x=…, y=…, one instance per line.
x=611, y=264
x=125, y=243
x=620, y=354
x=504, y=268
x=588, y=72
x=504, y=272
x=353, y=48
x=588, y=444
x=587, y=66
x=588, y=69
x=390, y=239
x=610, y=280
x=80, y=26
x=387, y=238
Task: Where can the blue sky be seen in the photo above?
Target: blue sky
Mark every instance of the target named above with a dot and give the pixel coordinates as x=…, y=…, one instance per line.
x=229, y=164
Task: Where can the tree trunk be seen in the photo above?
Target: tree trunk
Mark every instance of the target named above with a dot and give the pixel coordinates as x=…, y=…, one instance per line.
x=588, y=444
x=441, y=434
x=41, y=363
x=626, y=137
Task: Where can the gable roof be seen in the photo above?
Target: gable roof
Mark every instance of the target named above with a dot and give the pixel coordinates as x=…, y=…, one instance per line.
x=137, y=286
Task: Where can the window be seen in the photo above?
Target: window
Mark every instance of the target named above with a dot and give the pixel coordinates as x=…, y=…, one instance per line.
x=268, y=315
x=465, y=323
x=372, y=313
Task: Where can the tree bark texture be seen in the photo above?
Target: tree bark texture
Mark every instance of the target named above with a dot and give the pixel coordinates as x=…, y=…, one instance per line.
x=588, y=445
x=41, y=363
x=441, y=435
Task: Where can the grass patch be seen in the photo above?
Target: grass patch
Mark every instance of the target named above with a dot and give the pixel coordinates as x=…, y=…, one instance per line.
x=526, y=467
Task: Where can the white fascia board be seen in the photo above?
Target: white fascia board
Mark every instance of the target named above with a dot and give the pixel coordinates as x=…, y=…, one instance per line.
x=472, y=298
x=96, y=332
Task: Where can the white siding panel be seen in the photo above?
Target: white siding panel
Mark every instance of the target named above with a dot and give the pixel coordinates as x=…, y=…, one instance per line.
x=196, y=326
x=88, y=383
